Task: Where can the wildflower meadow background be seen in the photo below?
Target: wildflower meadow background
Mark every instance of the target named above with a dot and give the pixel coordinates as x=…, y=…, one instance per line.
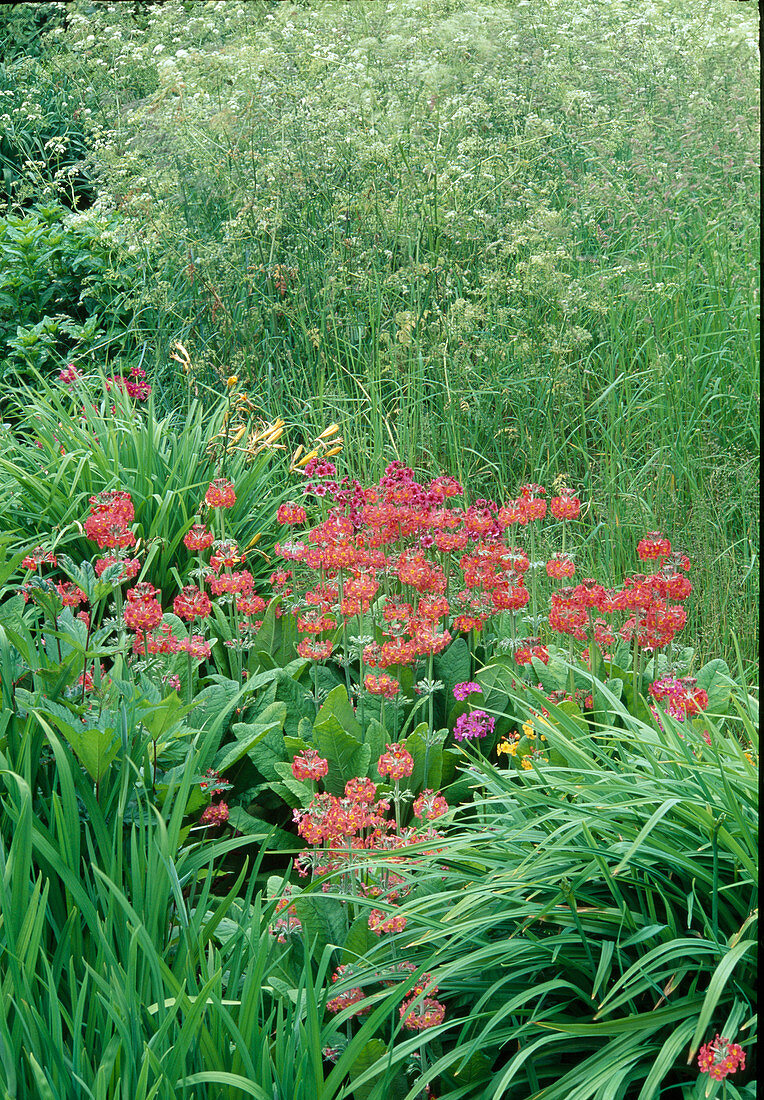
x=379, y=544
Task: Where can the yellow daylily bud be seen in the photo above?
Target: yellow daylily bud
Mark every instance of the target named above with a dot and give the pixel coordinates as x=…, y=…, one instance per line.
x=255, y=539
x=274, y=432
x=308, y=458
x=232, y=380
x=333, y=451
x=331, y=430
x=183, y=358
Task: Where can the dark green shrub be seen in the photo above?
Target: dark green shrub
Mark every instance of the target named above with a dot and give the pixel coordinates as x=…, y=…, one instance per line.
x=61, y=281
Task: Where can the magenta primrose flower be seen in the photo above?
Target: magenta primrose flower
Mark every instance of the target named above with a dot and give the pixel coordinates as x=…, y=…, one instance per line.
x=470, y=726
x=469, y=687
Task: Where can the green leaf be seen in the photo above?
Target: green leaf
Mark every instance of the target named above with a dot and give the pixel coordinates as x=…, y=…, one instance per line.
x=161, y=717
x=453, y=666
x=346, y=755
x=300, y=792
x=218, y=1077
x=552, y=676
x=215, y=702
x=371, y=1052
x=338, y=706
x=323, y=921
x=278, y=839
x=714, y=678
x=417, y=746
x=299, y=702
x=719, y=979
x=359, y=941
x=95, y=748
x=376, y=737
x=264, y=739
x=266, y=635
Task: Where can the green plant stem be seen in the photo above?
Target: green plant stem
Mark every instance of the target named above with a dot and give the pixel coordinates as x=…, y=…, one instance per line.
x=534, y=582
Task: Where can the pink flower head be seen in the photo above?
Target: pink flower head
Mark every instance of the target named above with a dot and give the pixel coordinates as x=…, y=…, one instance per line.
x=192, y=603
x=108, y=524
x=69, y=375
x=70, y=595
x=347, y=1000
x=396, y=762
x=221, y=494
x=215, y=814
x=314, y=651
x=380, y=922
x=129, y=567
x=565, y=506
x=720, y=1058
x=198, y=537
x=39, y=556
x=470, y=726
x=196, y=646
x=381, y=685
x=309, y=765
x=469, y=687
x=291, y=514
x=427, y=1013
x=653, y=546
x=362, y=790
x=429, y=805
x=142, y=615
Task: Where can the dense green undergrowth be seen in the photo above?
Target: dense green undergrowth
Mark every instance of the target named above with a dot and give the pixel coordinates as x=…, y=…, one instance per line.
x=350, y=830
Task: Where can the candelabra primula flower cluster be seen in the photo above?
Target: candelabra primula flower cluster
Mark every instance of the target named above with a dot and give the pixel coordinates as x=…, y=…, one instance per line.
x=680, y=698
x=134, y=383
x=138, y=612
x=428, y=569
x=354, y=843
x=720, y=1058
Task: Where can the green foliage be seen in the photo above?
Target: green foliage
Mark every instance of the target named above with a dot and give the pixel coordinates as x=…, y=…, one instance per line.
x=47, y=127
x=507, y=242
x=165, y=462
x=597, y=919
x=60, y=287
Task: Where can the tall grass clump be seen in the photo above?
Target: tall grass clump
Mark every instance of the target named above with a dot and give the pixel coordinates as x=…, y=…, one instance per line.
x=589, y=917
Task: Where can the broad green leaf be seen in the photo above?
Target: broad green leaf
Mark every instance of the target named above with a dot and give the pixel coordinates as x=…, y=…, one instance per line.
x=371, y=1052
x=94, y=747
x=359, y=941
x=347, y=757
x=338, y=706
x=417, y=746
x=323, y=921
x=453, y=666
x=714, y=678
x=376, y=737
x=301, y=793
